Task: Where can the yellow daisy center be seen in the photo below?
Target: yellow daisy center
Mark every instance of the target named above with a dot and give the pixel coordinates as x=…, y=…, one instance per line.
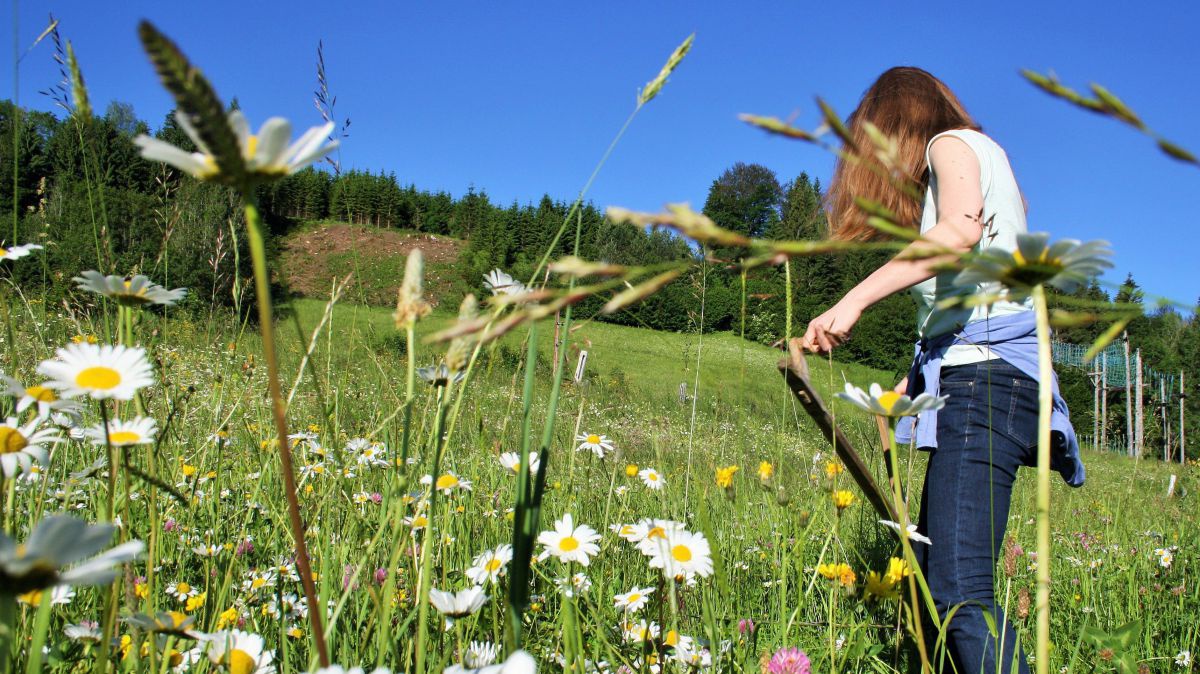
x=681, y=553
x=98, y=377
x=124, y=438
x=11, y=440
x=183, y=588
x=257, y=583
x=656, y=532
x=493, y=564
x=672, y=638
x=420, y=521
x=593, y=439
x=633, y=598
x=240, y=662
x=569, y=543
x=888, y=400
x=251, y=146
x=447, y=481
x=41, y=394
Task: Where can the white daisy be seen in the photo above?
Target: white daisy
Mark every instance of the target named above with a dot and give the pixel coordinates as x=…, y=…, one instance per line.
x=577, y=583
x=43, y=396
x=597, y=444
x=447, y=483
x=681, y=553
x=181, y=590
x=650, y=533
x=639, y=631
x=501, y=283
x=264, y=155
x=457, y=604
x=490, y=564
x=240, y=652
x=84, y=630
x=55, y=542
x=480, y=654
x=136, y=431
x=99, y=371
x=633, y=600
x=519, y=662
x=912, y=531
x=889, y=403
x=512, y=461
x=1184, y=659
x=21, y=446
x=568, y=542
x=130, y=291
x=17, y=252
x=651, y=478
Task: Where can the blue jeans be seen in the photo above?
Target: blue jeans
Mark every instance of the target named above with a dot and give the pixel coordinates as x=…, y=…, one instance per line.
x=987, y=430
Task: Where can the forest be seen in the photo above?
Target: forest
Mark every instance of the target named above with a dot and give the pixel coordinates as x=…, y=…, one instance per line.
x=85, y=194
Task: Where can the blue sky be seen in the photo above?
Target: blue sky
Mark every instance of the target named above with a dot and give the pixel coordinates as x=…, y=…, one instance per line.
x=520, y=99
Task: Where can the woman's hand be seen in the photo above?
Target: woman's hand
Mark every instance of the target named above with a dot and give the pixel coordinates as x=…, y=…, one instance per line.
x=831, y=328
x=902, y=387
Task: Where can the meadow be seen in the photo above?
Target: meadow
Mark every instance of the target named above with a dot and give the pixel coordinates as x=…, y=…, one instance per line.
x=1123, y=550
x=308, y=485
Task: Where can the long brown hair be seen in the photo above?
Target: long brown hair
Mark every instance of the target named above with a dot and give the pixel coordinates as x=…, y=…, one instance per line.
x=911, y=106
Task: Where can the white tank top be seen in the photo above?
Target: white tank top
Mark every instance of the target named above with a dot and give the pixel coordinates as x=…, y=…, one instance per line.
x=1003, y=218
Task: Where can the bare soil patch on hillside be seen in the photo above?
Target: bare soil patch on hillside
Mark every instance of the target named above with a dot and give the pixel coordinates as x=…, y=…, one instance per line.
x=311, y=259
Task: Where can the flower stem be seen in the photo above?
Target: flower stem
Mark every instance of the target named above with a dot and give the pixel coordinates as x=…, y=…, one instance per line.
x=1045, y=398
x=262, y=291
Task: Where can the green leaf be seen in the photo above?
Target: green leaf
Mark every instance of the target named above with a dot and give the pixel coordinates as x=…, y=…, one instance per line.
x=1176, y=152
x=197, y=99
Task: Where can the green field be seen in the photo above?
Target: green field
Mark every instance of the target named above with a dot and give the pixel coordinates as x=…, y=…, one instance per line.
x=768, y=536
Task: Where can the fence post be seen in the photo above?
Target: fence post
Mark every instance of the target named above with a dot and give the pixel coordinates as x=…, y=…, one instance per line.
x=1104, y=400
x=1128, y=400
x=1096, y=405
x=1182, y=433
x=1166, y=421
x=1140, y=428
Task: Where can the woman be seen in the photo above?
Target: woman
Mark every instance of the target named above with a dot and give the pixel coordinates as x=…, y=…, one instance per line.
x=982, y=357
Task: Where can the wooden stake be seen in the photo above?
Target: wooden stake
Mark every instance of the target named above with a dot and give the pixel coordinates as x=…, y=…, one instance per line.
x=1128, y=400
x=1182, y=433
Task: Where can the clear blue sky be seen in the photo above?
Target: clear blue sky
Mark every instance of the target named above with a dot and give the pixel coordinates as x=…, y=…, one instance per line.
x=520, y=99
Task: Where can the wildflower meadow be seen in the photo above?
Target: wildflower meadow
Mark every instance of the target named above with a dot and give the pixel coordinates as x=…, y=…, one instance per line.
x=496, y=480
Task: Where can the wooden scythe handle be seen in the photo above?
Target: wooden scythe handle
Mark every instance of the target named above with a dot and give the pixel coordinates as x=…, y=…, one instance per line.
x=795, y=372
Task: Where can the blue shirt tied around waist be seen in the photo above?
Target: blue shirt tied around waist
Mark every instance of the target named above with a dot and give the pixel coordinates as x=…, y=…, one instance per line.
x=1013, y=338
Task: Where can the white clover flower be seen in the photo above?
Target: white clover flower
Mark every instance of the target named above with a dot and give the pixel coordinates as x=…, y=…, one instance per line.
x=890, y=403
x=130, y=291
x=56, y=542
x=457, y=604
x=98, y=371
x=266, y=155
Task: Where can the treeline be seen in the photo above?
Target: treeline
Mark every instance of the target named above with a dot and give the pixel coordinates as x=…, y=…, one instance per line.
x=83, y=192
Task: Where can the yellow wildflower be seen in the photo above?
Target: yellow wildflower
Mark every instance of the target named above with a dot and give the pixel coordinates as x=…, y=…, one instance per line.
x=843, y=499
x=725, y=476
